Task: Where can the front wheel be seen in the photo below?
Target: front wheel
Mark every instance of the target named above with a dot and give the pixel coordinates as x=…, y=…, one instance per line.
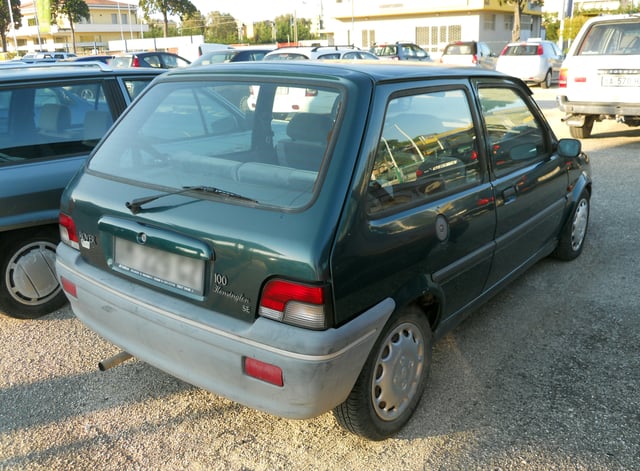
x=29, y=287
x=392, y=380
x=574, y=232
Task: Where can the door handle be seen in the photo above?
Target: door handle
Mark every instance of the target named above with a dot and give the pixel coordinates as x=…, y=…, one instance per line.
x=509, y=194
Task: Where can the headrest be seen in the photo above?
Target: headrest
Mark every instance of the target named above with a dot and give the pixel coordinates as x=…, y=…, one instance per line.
x=309, y=127
x=54, y=118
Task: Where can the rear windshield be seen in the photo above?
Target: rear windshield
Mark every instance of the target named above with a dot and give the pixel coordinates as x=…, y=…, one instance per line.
x=611, y=39
x=262, y=141
x=459, y=49
x=521, y=50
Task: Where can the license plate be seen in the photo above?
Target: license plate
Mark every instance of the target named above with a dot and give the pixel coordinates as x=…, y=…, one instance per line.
x=621, y=80
x=168, y=269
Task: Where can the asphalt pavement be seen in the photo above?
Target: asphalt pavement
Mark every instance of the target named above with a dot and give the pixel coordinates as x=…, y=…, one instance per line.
x=546, y=376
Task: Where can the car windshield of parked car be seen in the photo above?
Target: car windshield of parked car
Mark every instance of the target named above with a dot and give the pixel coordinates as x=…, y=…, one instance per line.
x=266, y=142
x=620, y=38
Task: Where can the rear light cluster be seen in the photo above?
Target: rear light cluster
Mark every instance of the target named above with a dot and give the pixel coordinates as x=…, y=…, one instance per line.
x=562, y=78
x=135, y=62
x=68, y=232
x=295, y=303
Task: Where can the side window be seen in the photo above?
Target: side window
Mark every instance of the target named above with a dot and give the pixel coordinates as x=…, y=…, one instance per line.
x=515, y=137
x=427, y=149
x=135, y=86
x=153, y=61
x=52, y=121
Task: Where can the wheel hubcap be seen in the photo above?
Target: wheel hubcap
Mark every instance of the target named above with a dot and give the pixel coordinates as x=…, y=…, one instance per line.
x=580, y=221
x=30, y=276
x=398, y=370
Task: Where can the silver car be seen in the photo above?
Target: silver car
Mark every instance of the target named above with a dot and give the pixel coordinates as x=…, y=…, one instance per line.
x=535, y=61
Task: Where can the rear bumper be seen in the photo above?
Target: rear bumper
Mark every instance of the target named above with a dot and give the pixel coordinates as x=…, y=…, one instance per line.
x=208, y=349
x=598, y=108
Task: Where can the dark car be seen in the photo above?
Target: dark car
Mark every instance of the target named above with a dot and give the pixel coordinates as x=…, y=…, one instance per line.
x=308, y=264
x=104, y=58
x=401, y=51
x=51, y=117
x=232, y=55
x=158, y=60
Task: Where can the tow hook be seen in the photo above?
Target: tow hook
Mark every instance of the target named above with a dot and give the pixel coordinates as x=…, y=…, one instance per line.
x=115, y=360
x=576, y=120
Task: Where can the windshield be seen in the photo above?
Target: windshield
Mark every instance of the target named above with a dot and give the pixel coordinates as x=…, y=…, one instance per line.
x=260, y=141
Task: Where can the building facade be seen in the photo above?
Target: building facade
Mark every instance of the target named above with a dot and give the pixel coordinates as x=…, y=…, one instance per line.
x=428, y=23
x=109, y=20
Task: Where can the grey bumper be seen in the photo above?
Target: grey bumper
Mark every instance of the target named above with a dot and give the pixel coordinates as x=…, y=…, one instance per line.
x=319, y=367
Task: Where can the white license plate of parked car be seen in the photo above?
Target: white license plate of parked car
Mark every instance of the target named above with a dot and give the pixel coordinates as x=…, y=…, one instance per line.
x=169, y=269
x=621, y=81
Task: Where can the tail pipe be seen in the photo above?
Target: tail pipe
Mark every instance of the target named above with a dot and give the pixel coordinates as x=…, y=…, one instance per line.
x=115, y=360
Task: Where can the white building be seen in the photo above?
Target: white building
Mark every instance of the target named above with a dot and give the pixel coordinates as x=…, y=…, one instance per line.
x=428, y=23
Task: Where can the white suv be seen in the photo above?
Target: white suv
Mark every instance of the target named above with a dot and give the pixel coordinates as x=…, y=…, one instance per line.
x=600, y=77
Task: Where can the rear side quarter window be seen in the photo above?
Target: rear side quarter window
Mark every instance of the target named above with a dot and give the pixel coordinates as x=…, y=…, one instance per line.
x=427, y=149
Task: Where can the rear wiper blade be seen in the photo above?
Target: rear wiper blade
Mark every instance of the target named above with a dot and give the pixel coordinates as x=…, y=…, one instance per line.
x=135, y=206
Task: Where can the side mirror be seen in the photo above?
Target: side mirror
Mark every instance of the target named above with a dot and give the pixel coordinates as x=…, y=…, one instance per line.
x=569, y=147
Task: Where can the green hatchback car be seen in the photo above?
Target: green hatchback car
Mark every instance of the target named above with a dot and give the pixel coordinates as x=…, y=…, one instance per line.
x=307, y=262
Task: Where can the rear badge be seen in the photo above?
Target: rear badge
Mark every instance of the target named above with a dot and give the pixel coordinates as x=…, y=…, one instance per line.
x=442, y=228
x=87, y=241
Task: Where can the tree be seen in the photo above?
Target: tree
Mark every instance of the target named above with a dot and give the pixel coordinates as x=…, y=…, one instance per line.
x=264, y=32
x=183, y=9
x=74, y=10
x=290, y=29
x=221, y=28
x=5, y=19
x=518, y=8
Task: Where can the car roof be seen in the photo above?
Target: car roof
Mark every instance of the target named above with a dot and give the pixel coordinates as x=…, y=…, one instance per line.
x=24, y=71
x=376, y=71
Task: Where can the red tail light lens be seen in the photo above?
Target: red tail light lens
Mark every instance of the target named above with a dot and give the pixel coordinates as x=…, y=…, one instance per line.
x=474, y=59
x=295, y=303
x=68, y=232
x=562, y=79
x=540, y=51
x=135, y=62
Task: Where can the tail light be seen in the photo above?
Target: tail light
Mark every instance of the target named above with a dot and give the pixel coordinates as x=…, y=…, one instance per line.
x=68, y=232
x=295, y=303
x=311, y=92
x=135, y=62
x=504, y=50
x=562, y=78
x=540, y=51
x=474, y=59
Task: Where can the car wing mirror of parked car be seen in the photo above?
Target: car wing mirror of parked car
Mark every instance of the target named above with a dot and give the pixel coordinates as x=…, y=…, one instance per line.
x=569, y=147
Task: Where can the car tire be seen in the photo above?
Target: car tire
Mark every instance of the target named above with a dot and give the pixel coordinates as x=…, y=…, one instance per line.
x=574, y=232
x=546, y=83
x=392, y=380
x=584, y=131
x=29, y=287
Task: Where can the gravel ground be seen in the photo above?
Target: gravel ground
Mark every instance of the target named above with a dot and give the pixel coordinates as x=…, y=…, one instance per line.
x=543, y=377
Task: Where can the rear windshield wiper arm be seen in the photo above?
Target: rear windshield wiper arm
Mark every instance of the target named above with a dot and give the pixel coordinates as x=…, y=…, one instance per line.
x=135, y=206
